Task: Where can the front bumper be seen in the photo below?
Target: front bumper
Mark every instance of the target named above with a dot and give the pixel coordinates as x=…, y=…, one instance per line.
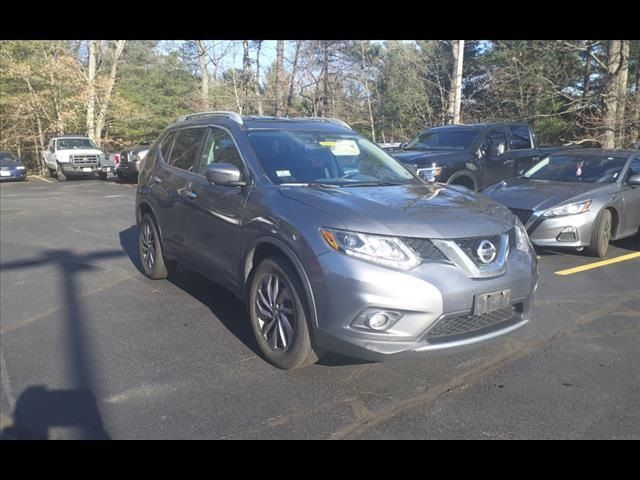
x=567, y=231
x=432, y=293
x=13, y=174
x=72, y=169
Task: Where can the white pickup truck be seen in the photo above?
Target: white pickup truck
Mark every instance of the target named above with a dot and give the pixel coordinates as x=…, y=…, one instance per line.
x=68, y=156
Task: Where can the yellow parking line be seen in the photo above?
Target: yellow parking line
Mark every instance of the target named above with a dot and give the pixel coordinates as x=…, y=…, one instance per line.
x=589, y=266
x=41, y=178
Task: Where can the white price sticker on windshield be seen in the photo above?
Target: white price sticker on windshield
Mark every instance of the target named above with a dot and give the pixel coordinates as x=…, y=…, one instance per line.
x=345, y=148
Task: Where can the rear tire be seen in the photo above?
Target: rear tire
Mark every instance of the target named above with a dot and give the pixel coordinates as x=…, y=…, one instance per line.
x=278, y=314
x=154, y=263
x=601, y=235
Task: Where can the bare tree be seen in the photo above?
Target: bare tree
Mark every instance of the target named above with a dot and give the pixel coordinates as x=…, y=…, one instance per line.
x=104, y=104
x=455, y=91
x=246, y=73
x=280, y=81
x=204, y=74
x=622, y=79
x=256, y=81
x=293, y=76
x=610, y=94
x=91, y=96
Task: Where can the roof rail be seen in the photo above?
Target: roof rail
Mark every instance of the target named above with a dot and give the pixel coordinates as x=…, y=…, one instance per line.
x=220, y=113
x=335, y=121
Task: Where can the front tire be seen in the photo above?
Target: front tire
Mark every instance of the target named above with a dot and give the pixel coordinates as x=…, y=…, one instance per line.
x=601, y=235
x=278, y=313
x=154, y=264
x=60, y=174
x=102, y=175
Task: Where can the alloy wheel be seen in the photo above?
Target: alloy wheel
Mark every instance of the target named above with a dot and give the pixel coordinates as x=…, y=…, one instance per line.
x=148, y=246
x=276, y=312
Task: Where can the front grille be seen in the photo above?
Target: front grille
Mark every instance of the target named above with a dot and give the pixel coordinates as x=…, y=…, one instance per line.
x=522, y=214
x=447, y=327
x=425, y=249
x=84, y=160
x=470, y=247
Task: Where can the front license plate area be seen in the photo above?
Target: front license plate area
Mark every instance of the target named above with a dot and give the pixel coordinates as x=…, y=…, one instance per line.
x=87, y=169
x=489, y=302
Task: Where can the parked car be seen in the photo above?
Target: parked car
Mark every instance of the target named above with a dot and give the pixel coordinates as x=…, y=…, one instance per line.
x=332, y=243
x=579, y=198
x=108, y=165
x=11, y=167
x=69, y=156
x=474, y=155
x=130, y=159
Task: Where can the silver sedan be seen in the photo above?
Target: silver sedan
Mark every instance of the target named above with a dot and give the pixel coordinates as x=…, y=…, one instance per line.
x=580, y=199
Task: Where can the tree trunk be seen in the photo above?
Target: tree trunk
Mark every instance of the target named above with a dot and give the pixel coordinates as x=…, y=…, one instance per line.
x=279, y=78
x=104, y=105
x=610, y=94
x=365, y=82
x=204, y=75
x=325, y=79
x=293, y=77
x=246, y=74
x=256, y=83
x=455, y=90
x=621, y=88
x=458, y=82
x=586, y=82
x=91, y=96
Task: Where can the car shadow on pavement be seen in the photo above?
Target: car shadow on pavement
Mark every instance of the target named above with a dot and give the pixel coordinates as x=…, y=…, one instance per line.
x=231, y=311
x=37, y=408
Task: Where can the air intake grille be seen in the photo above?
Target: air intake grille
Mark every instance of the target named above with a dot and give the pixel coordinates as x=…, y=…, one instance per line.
x=469, y=323
x=84, y=160
x=425, y=249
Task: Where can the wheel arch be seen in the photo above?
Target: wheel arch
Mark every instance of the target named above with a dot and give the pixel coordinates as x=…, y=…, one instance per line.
x=265, y=247
x=463, y=177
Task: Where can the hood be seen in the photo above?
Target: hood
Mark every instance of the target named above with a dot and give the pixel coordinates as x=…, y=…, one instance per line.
x=419, y=210
x=540, y=194
x=424, y=157
x=7, y=162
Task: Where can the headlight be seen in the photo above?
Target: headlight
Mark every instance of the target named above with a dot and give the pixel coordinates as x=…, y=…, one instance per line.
x=20, y=167
x=571, y=209
x=522, y=238
x=429, y=173
x=386, y=251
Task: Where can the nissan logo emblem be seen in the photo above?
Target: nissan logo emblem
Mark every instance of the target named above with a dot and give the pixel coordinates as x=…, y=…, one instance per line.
x=486, y=251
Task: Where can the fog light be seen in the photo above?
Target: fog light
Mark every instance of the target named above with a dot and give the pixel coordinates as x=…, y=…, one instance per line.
x=568, y=234
x=376, y=319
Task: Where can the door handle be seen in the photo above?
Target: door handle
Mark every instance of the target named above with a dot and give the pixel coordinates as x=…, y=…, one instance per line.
x=188, y=193
x=156, y=179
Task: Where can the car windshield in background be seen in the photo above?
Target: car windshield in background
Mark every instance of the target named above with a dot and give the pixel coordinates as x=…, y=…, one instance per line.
x=326, y=158
x=75, y=143
x=6, y=156
x=443, y=140
x=567, y=168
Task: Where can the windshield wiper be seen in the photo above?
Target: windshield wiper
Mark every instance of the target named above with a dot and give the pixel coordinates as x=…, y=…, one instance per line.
x=310, y=184
x=372, y=184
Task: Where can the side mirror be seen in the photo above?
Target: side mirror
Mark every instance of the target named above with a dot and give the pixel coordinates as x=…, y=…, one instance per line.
x=634, y=179
x=402, y=145
x=225, y=174
x=479, y=153
x=496, y=149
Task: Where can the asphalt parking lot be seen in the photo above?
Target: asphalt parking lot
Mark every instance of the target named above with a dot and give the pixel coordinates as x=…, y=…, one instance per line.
x=90, y=348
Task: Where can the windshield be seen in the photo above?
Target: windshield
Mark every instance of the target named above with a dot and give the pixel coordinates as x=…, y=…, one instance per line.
x=568, y=168
x=443, y=140
x=75, y=143
x=6, y=156
x=327, y=158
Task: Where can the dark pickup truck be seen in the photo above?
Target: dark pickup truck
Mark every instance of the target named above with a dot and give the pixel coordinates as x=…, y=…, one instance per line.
x=474, y=155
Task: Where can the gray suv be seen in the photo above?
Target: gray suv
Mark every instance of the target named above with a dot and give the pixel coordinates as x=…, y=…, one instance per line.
x=333, y=245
